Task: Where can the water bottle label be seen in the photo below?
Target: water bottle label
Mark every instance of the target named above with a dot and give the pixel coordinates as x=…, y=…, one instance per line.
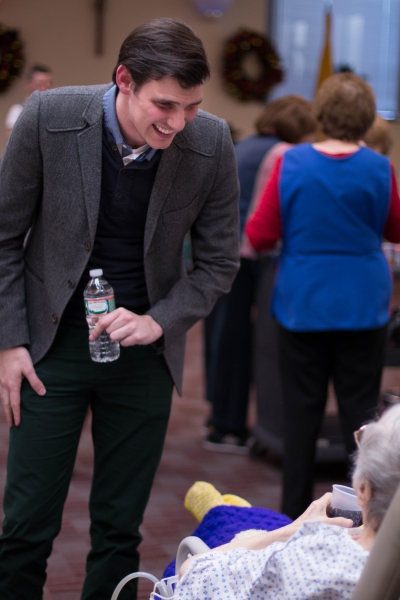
x=102, y=306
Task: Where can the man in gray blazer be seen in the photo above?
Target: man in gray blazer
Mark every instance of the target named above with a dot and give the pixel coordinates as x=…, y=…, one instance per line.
x=109, y=177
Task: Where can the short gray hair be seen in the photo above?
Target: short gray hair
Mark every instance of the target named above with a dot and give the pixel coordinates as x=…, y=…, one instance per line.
x=378, y=462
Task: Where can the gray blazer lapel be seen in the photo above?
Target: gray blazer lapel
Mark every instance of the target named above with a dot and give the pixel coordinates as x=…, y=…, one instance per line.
x=90, y=155
x=169, y=163
x=89, y=148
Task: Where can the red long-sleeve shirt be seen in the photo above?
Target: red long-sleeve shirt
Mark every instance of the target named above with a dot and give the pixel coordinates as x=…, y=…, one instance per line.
x=265, y=226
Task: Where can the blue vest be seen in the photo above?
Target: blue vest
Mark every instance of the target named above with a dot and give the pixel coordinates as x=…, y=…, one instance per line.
x=332, y=273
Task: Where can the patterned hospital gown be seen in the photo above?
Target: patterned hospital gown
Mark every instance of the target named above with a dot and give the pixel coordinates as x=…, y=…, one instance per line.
x=318, y=562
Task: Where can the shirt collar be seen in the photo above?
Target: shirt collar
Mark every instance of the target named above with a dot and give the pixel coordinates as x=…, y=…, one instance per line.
x=110, y=118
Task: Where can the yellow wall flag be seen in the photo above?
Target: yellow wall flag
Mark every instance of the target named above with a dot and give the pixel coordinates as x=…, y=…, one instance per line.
x=325, y=69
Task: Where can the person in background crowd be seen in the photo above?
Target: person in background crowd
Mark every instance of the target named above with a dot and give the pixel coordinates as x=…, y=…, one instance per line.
x=228, y=330
x=113, y=177
x=315, y=556
x=379, y=136
x=39, y=78
x=331, y=203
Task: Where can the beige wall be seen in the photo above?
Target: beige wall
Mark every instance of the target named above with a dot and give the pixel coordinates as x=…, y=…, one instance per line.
x=61, y=33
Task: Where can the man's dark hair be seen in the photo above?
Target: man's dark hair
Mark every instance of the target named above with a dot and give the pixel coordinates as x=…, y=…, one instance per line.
x=37, y=68
x=161, y=48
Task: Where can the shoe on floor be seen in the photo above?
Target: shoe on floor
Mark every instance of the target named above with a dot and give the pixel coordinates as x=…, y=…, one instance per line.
x=227, y=442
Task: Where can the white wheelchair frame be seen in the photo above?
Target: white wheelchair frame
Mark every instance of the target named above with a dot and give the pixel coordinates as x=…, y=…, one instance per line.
x=164, y=588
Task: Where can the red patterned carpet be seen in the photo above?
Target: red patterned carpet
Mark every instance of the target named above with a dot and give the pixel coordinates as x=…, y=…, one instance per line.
x=166, y=521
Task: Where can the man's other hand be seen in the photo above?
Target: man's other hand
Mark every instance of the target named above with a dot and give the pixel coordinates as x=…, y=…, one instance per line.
x=129, y=329
x=15, y=364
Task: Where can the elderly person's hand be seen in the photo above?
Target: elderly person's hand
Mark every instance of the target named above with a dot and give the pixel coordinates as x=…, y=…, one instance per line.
x=318, y=511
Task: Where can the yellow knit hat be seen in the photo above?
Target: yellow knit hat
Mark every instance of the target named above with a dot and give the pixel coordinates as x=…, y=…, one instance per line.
x=203, y=496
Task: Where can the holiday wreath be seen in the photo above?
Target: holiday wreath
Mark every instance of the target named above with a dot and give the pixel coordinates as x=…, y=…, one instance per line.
x=11, y=57
x=236, y=50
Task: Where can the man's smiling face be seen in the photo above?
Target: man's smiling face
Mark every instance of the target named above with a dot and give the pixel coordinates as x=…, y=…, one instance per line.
x=156, y=112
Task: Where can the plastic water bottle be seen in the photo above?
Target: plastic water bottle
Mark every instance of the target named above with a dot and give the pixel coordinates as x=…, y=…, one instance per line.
x=99, y=300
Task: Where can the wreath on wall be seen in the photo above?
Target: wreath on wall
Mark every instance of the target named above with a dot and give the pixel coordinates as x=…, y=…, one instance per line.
x=11, y=57
x=237, y=81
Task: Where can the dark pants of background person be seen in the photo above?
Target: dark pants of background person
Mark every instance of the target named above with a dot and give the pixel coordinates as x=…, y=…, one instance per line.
x=354, y=360
x=213, y=325
x=229, y=336
x=130, y=400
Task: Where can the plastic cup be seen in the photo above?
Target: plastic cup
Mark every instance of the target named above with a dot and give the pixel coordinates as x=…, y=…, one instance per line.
x=344, y=504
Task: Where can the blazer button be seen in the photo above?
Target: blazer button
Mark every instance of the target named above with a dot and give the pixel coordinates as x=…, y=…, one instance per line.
x=71, y=283
x=54, y=318
x=87, y=246
x=118, y=194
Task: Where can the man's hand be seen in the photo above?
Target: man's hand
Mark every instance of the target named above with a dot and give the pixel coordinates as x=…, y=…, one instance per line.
x=129, y=329
x=15, y=364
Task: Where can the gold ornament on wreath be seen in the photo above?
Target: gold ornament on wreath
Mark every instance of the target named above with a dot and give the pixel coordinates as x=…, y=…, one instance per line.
x=11, y=57
x=251, y=66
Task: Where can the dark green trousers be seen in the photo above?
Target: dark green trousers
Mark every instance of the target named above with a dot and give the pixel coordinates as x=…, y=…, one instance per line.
x=130, y=400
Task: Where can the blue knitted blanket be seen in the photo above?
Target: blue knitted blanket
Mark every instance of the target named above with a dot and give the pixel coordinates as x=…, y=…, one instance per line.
x=222, y=523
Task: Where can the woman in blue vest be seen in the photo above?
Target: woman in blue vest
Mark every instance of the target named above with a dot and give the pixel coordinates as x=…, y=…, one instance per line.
x=331, y=203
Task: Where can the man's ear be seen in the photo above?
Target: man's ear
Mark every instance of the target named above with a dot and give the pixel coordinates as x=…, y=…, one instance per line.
x=123, y=79
x=364, y=493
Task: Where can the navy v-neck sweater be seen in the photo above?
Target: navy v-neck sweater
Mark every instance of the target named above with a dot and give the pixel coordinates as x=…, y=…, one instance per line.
x=118, y=245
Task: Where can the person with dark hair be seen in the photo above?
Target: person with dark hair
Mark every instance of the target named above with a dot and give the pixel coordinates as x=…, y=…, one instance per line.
x=162, y=48
x=229, y=328
x=290, y=118
x=331, y=203
x=39, y=78
x=113, y=177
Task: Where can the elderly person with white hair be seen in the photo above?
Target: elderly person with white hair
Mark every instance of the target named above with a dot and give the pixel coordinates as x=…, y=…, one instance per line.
x=315, y=556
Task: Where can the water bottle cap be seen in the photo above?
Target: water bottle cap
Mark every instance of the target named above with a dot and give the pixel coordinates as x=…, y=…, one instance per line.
x=96, y=272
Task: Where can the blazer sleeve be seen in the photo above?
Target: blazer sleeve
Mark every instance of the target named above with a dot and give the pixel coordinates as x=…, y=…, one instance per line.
x=215, y=248
x=20, y=194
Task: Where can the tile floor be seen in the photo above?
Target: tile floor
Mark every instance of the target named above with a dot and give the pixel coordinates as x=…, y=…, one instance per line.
x=184, y=461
